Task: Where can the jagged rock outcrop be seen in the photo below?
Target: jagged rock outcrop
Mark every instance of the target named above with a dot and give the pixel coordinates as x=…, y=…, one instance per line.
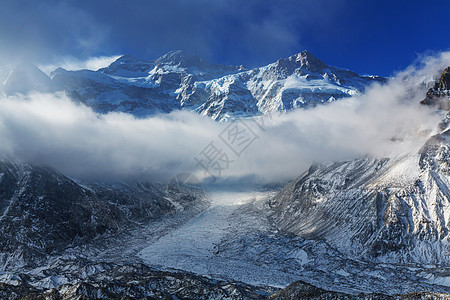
x=439, y=94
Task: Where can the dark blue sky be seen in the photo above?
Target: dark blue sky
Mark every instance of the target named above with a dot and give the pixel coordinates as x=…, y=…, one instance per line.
x=366, y=36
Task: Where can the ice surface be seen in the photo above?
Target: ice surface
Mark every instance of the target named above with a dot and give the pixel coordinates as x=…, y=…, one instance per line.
x=195, y=246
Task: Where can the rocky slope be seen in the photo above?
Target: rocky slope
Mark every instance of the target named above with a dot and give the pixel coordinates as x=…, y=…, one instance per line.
x=394, y=210
x=138, y=281
x=144, y=283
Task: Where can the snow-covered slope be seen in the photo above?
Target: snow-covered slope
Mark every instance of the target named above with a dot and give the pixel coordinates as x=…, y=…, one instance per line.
x=373, y=209
x=181, y=81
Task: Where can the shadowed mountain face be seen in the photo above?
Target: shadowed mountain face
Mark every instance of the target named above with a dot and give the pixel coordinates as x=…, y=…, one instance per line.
x=42, y=212
x=393, y=209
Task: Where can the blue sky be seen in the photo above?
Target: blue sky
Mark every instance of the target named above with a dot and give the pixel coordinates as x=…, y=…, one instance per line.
x=366, y=36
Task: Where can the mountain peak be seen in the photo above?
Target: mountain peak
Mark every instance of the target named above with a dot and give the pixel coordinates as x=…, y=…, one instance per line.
x=124, y=59
x=181, y=58
x=304, y=61
x=128, y=65
x=305, y=54
x=307, y=59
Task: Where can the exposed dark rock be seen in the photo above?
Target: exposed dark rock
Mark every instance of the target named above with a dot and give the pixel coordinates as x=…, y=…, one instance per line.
x=439, y=94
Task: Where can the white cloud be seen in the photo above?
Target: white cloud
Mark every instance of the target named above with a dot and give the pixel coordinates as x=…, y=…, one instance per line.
x=71, y=63
x=50, y=129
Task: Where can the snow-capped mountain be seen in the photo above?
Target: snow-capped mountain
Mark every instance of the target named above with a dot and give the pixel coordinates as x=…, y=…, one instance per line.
x=178, y=80
x=393, y=210
x=139, y=87
x=302, y=80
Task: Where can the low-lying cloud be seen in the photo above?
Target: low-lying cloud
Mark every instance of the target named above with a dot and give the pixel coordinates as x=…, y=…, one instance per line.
x=50, y=129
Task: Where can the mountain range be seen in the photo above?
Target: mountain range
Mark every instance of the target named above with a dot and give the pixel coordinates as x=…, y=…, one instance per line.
x=178, y=80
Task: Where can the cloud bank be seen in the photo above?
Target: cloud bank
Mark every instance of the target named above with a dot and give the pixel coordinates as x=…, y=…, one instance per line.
x=49, y=129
